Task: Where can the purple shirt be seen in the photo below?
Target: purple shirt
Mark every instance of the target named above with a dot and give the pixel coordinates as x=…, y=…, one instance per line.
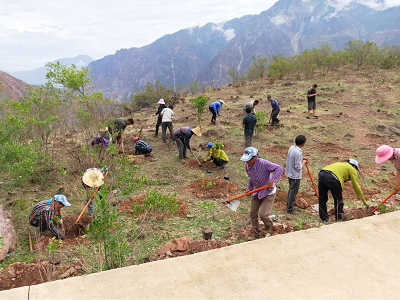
x=260, y=174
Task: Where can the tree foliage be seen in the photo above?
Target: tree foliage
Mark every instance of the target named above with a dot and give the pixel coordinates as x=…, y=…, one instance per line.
x=200, y=104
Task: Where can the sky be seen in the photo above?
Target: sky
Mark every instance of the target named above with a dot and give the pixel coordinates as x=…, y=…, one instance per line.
x=34, y=32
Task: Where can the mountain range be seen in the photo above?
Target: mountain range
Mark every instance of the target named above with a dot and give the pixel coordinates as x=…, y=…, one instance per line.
x=207, y=52
x=38, y=76
x=11, y=87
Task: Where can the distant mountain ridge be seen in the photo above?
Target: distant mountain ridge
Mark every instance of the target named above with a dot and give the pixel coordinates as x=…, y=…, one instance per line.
x=207, y=52
x=38, y=76
x=11, y=87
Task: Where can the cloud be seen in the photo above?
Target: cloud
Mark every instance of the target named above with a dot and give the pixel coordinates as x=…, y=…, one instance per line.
x=278, y=20
x=228, y=33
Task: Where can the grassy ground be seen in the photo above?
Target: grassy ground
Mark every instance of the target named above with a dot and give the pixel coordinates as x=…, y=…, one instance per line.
x=349, y=108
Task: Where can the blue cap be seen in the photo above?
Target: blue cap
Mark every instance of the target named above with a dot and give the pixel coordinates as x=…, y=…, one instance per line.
x=209, y=145
x=248, y=154
x=62, y=199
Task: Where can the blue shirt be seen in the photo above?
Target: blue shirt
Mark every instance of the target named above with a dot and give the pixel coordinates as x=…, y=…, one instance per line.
x=294, y=162
x=216, y=105
x=274, y=103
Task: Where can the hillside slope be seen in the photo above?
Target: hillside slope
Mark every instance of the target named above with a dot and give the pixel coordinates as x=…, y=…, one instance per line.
x=12, y=88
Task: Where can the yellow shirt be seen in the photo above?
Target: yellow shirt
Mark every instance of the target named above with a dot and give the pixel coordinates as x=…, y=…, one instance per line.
x=346, y=172
x=216, y=153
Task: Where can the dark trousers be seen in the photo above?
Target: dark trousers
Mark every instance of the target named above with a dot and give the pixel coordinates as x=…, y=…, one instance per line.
x=219, y=162
x=328, y=182
x=274, y=116
x=142, y=151
x=294, y=185
x=214, y=114
x=181, y=147
x=41, y=223
x=159, y=121
x=164, y=126
x=247, y=140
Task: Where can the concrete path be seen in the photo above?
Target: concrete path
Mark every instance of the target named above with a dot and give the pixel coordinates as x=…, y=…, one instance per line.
x=356, y=259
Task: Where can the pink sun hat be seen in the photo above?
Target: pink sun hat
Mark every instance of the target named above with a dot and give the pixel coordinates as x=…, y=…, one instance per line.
x=161, y=101
x=383, y=153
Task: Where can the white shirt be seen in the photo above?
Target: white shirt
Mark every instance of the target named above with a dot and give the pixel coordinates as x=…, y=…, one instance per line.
x=294, y=162
x=167, y=115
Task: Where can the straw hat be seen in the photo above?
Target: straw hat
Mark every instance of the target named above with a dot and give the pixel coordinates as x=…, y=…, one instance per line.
x=197, y=131
x=93, y=177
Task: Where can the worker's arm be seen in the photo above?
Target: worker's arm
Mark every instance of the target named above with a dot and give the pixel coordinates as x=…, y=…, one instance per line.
x=356, y=186
x=397, y=178
x=187, y=140
x=209, y=155
x=277, y=169
x=298, y=161
x=50, y=225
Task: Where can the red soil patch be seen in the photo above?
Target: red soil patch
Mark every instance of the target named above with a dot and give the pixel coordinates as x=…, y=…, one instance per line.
x=20, y=274
x=212, y=188
x=349, y=193
x=277, y=151
x=303, y=200
x=193, y=164
x=333, y=149
x=126, y=206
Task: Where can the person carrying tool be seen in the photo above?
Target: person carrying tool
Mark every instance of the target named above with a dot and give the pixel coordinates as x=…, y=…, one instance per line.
x=91, y=179
x=384, y=153
x=249, y=122
x=182, y=138
x=252, y=105
x=275, y=110
x=259, y=171
x=117, y=131
x=332, y=178
x=214, y=108
x=142, y=147
x=312, y=105
x=216, y=154
x=43, y=213
x=167, y=115
x=159, y=118
x=294, y=164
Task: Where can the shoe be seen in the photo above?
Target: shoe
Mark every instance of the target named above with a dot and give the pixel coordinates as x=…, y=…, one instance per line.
x=307, y=117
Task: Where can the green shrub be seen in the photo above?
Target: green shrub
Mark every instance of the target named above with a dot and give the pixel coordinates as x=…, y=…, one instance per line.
x=200, y=104
x=155, y=201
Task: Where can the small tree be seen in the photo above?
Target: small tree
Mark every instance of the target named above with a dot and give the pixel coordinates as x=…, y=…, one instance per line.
x=200, y=103
x=233, y=76
x=258, y=69
x=360, y=52
x=194, y=87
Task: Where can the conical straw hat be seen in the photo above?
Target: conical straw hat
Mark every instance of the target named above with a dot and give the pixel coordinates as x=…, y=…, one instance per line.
x=93, y=177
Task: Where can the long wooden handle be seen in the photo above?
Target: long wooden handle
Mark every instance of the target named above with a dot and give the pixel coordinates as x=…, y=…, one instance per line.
x=248, y=193
x=315, y=188
x=91, y=197
x=387, y=198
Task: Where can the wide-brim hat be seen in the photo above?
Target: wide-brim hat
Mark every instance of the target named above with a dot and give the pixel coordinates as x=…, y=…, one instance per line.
x=93, y=177
x=383, y=153
x=161, y=101
x=197, y=131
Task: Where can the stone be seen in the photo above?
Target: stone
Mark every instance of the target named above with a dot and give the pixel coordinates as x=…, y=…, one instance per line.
x=8, y=234
x=68, y=273
x=181, y=244
x=383, y=168
x=301, y=203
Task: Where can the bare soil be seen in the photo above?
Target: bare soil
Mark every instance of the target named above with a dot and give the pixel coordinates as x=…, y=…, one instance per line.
x=212, y=188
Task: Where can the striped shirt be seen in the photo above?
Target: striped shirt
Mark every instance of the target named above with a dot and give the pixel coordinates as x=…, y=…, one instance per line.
x=260, y=174
x=45, y=209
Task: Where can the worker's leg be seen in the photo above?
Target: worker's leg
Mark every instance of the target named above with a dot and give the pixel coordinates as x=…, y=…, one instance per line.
x=158, y=125
x=265, y=210
x=254, y=208
x=218, y=162
x=310, y=107
x=184, y=150
x=214, y=115
x=247, y=140
x=274, y=115
x=164, y=131
x=337, y=194
x=179, y=144
x=171, y=129
x=90, y=207
x=323, y=196
x=294, y=185
x=315, y=110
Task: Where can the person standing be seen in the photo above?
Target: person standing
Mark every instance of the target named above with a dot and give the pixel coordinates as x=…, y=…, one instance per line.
x=252, y=105
x=312, y=105
x=91, y=179
x=161, y=106
x=275, y=110
x=182, y=138
x=117, y=130
x=384, y=153
x=294, y=164
x=142, y=147
x=249, y=122
x=167, y=114
x=259, y=171
x=332, y=178
x=214, y=109
x=216, y=154
x=43, y=213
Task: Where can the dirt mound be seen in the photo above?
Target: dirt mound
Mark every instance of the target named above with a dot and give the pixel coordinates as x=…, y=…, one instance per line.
x=211, y=133
x=185, y=246
x=126, y=206
x=193, y=164
x=358, y=213
x=20, y=274
x=303, y=200
x=212, y=188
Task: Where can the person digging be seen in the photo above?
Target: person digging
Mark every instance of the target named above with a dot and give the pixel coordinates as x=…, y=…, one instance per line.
x=332, y=178
x=142, y=147
x=384, y=153
x=214, y=109
x=160, y=108
x=117, y=129
x=43, y=213
x=182, y=138
x=216, y=154
x=259, y=171
x=251, y=105
x=275, y=110
x=91, y=179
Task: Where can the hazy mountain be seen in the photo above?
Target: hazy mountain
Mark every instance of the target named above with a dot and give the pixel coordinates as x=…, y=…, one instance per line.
x=11, y=87
x=207, y=52
x=38, y=76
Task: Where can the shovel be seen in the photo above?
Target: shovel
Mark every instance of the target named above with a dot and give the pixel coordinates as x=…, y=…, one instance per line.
x=315, y=188
x=387, y=198
x=197, y=160
x=233, y=204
